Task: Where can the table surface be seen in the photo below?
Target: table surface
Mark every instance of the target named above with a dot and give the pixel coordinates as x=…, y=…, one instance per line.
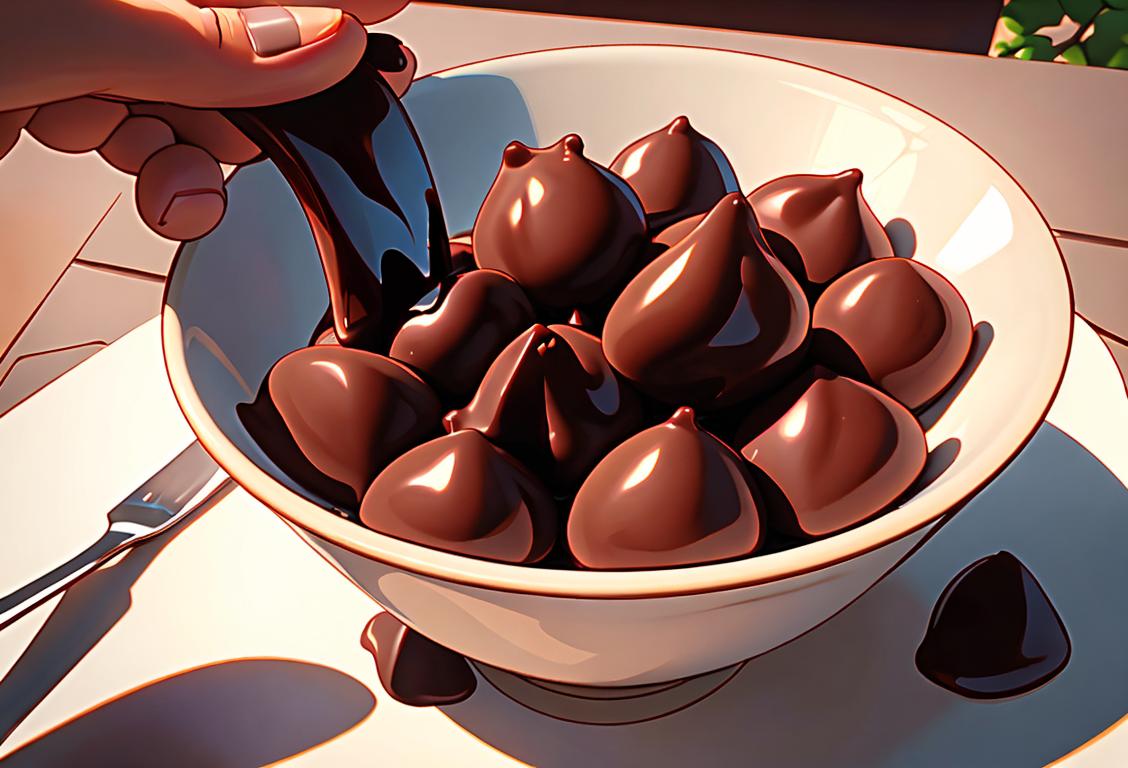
x=107, y=273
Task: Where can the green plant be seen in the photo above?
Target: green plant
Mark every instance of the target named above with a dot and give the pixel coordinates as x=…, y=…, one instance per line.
x=1101, y=37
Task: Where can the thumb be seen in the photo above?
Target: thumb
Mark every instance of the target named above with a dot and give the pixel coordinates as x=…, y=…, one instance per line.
x=243, y=57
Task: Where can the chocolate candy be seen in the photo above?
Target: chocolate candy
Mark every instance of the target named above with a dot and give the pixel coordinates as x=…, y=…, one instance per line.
x=896, y=324
x=671, y=235
x=344, y=411
x=413, y=669
x=819, y=226
x=562, y=226
x=671, y=495
x=676, y=172
x=453, y=344
x=551, y=399
x=462, y=494
x=994, y=632
x=842, y=453
x=712, y=321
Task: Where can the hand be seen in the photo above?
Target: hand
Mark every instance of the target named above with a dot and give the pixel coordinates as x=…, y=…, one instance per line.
x=138, y=81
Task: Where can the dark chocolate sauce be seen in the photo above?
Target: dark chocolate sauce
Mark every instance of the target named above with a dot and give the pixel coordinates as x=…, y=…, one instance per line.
x=413, y=669
x=676, y=172
x=894, y=323
x=453, y=343
x=838, y=455
x=551, y=399
x=565, y=228
x=672, y=495
x=353, y=160
x=343, y=412
x=993, y=633
x=819, y=226
x=460, y=493
x=712, y=321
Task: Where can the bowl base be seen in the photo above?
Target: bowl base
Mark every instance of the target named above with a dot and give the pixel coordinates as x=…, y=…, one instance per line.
x=606, y=706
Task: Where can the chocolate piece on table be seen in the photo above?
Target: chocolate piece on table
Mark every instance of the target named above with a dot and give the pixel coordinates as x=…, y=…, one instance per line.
x=896, y=324
x=993, y=633
x=551, y=399
x=712, y=321
x=453, y=343
x=676, y=172
x=462, y=494
x=840, y=454
x=565, y=228
x=413, y=669
x=672, y=495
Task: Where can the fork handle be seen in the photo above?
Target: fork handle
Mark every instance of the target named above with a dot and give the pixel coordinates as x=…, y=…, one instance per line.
x=35, y=593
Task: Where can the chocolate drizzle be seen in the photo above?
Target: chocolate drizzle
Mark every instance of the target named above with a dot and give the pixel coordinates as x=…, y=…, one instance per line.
x=671, y=495
x=712, y=321
x=993, y=633
x=894, y=323
x=354, y=161
x=343, y=413
x=460, y=493
x=819, y=226
x=676, y=172
x=413, y=669
x=552, y=400
x=840, y=454
x=566, y=229
x=453, y=343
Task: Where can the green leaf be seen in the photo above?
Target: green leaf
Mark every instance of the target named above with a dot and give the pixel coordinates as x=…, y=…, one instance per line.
x=1032, y=15
x=1081, y=11
x=1121, y=4
x=1038, y=48
x=1012, y=25
x=1119, y=59
x=1074, y=55
x=1110, y=34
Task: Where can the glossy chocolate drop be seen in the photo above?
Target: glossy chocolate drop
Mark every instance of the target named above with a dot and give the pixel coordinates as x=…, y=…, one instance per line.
x=553, y=401
x=413, y=669
x=352, y=158
x=461, y=257
x=841, y=453
x=454, y=343
x=671, y=235
x=462, y=494
x=344, y=411
x=993, y=633
x=676, y=172
x=712, y=321
x=896, y=324
x=671, y=495
x=562, y=226
x=819, y=226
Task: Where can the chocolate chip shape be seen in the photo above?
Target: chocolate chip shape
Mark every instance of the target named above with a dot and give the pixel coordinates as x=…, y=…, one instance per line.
x=459, y=493
x=994, y=632
x=672, y=495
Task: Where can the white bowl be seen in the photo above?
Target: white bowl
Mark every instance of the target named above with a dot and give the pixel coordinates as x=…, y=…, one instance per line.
x=251, y=291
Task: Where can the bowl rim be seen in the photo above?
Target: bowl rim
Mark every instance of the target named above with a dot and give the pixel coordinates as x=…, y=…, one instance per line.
x=439, y=565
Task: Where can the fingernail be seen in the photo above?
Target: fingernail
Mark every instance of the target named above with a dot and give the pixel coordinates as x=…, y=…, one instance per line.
x=274, y=29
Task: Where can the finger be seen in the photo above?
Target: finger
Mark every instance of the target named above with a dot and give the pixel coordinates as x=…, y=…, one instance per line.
x=180, y=192
x=11, y=123
x=231, y=57
x=134, y=141
x=400, y=81
x=366, y=11
x=76, y=125
x=204, y=128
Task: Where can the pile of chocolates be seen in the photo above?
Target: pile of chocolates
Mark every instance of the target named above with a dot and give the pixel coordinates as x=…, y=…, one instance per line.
x=639, y=368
